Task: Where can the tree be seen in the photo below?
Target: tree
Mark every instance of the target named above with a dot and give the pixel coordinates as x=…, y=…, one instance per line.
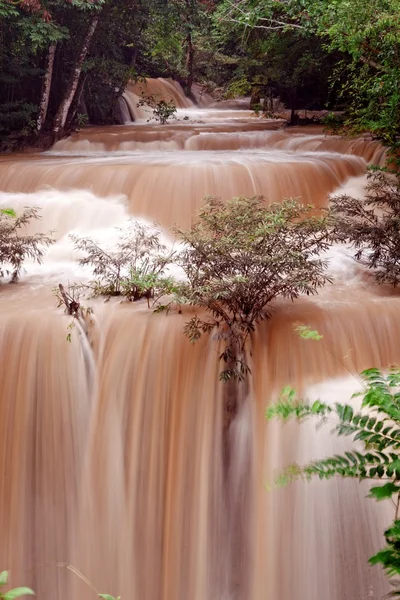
x=371, y=225
x=377, y=426
x=15, y=246
x=26, y=31
x=289, y=63
x=368, y=34
x=46, y=88
x=239, y=257
x=61, y=116
x=175, y=32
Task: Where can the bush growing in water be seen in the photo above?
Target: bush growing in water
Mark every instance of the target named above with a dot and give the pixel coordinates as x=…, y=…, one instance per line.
x=372, y=225
x=239, y=257
x=135, y=269
x=15, y=246
x=162, y=109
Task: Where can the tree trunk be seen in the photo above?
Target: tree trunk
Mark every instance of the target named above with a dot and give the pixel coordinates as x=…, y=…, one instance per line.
x=189, y=63
x=76, y=101
x=46, y=87
x=255, y=97
x=293, y=107
x=63, y=109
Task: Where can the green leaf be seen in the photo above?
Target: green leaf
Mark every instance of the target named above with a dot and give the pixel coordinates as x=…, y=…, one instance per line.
x=18, y=592
x=306, y=333
x=347, y=413
x=382, y=492
x=107, y=597
x=10, y=213
x=3, y=578
x=288, y=393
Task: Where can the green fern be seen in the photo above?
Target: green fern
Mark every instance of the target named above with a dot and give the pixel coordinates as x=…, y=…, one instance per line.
x=377, y=426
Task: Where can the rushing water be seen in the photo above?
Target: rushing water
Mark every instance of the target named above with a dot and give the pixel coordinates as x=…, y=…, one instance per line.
x=112, y=459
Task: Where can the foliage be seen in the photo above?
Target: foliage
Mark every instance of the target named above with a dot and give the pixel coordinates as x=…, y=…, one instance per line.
x=368, y=34
x=260, y=47
x=177, y=40
x=239, y=257
x=134, y=268
x=132, y=38
x=372, y=225
x=306, y=333
x=162, y=109
x=377, y=426
x=334, y=122
x=289, y=63
x=14, y=593
x=15, y=246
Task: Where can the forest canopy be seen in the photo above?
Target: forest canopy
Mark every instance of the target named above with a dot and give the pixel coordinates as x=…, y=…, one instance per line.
x=64, y=63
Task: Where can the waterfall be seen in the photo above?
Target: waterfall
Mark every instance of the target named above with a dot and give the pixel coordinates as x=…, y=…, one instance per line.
x=114, y=457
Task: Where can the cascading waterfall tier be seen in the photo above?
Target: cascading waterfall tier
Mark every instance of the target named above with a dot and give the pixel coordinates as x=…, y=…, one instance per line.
x=129, y=484
x=225, y=134
x=171, y=189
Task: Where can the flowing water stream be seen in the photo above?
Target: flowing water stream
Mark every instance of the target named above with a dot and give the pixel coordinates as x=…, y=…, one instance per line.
x=112, y=459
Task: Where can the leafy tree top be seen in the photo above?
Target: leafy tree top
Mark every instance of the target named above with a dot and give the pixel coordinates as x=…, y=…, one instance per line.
x=367, y=30
x=243, y=254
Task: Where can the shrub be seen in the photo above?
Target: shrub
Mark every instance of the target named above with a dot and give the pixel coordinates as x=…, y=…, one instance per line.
x=239, y=257
x=134, y=269
x=15, y=246
x=163, y=110
x=372, y=225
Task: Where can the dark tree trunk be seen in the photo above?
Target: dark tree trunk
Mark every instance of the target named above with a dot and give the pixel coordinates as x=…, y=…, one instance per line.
x=72, y=85
x=76, y=102
x=46, y=87
x=293, y=106
x=189, y=63
x=255, y=97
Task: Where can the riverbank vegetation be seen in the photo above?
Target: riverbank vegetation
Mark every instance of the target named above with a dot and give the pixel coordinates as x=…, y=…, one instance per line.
x=363, y=43
x=66, y=63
